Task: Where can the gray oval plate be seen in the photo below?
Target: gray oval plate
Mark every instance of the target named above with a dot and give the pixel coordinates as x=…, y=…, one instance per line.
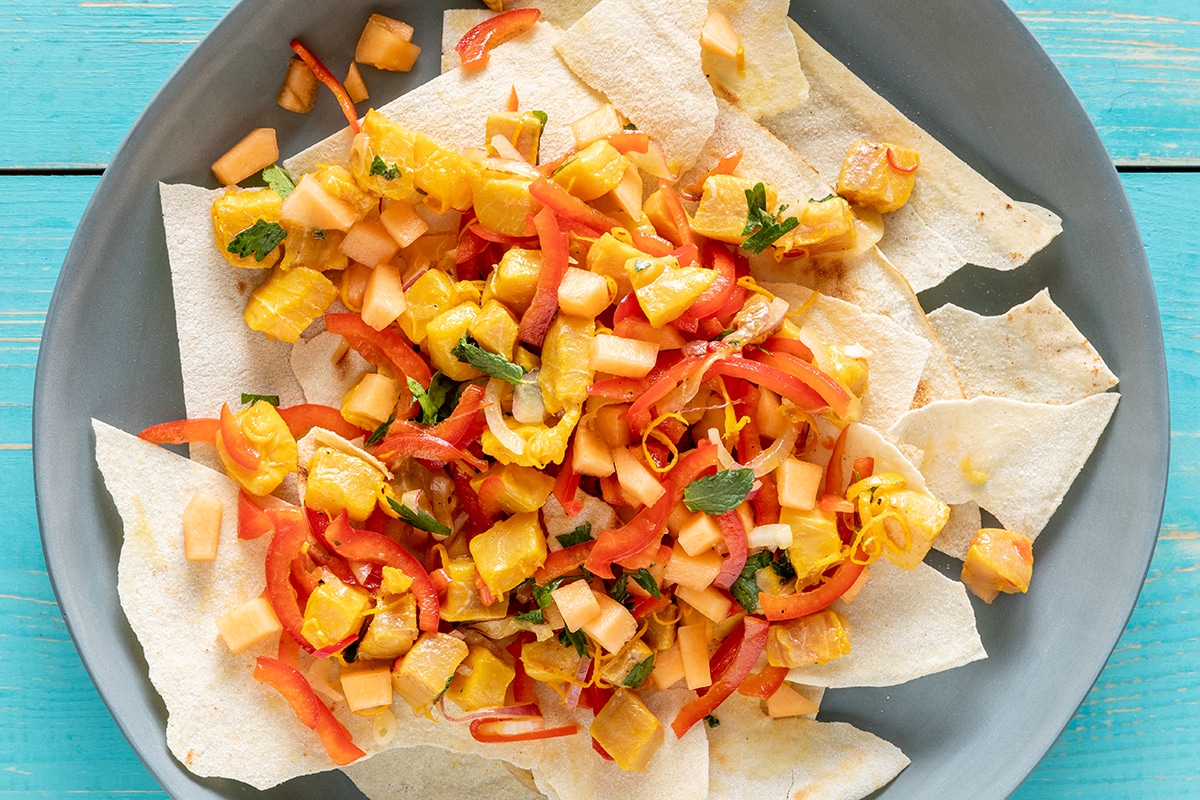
x=967, y=71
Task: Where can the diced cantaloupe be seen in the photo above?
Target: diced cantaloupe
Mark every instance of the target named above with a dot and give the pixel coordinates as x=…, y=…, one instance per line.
x=695, y=572
x=368, y=687
x=577, y=604
x=254, y=153
x=596, y=125
x=710, y=601
x=383, y=298
x=637, y=482
x=354, y=84
x=612, y=424
x=299, y=90
x=584, y=294
x=693, y=649
x=798, y=483
x=368, y=242
x=386, y=43
x=201, y=527
x=771, y=421
x=403, y=223
x=312, y=206
x=591, y=455
x=613, y=627
x=629, y=358
x=248, y=624
x=668, y=667
x=698, y=532
x=787, y=702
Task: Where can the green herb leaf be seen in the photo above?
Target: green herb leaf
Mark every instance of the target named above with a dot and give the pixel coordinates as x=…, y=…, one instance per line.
x=716, y=494
x=782, y=565
x=639, y=673
x=260, y=239
x=420, y=519
x=576, y=639
x=542, y=117
x=488, y=363
x=745, y=588
x=377, y=436
x=273, y=399
x=644, y=579
x=629, y=126
x=581, y=534
x=762, y=227
x=434, y=407
x=534, y=615
x=279, y=179
x=619, y=591
x=380, y=167
x=319, y=234
x=712, y=721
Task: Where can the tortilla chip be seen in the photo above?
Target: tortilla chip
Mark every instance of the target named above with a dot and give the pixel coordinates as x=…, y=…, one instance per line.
x=1033, y=353
x=433, y=772
x=645, y=56
x=457, y=21
x=752, y=755
x=452, y=109
x=326, y=368
x=1015, y=459
x=955, y=216
x=872, y=283
x=897, y=357
x=210, y=298
x=955, y=539
x=771, y=80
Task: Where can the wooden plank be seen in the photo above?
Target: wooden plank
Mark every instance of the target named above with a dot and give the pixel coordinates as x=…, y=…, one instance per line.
x=1134, y=63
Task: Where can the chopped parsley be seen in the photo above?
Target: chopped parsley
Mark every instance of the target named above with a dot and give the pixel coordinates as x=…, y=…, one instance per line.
x=716, y=494
x=542, y=117
x=712, y=721
x=644, y=579
x=639, y=673
x=419, y=519
x=581, y=534
x=247, y=398
x=745, y=588
x=576, y=639
x=259, y=239
x=377, y=436
x=380, y=167
x=435, y=401
x=762, y=227
x=541, y=596
x=279, y=179
x=629, y=126
x=496, y=366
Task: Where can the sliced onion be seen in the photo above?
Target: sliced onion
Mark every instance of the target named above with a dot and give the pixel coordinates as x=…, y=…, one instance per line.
x=384, y=727
x=527, y=404
x=572, y=699
x=653, y=161
x=408, y=283
x=494, y=415
x=318, y=677
x=773, y=456
x=724, y=457
x=773, y=537
x=505, y=149
x=528, y=711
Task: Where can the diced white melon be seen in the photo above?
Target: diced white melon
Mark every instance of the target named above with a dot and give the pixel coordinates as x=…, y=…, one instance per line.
x=311, y=206
x=201, y=527
x=368, y=242
x=668, y=667
x=383, y=300
x=248, y=624
x=403, y=223
x=692, y=641
x=584, y=294
x=576, y=604
x=710, y=602
x=591, y=455
x=694, y=572
x=798, y=483
x=613, y=627
x=699, y=532
x=637, y=482
x=367, y=688
x=596, y=125
x=629, y=358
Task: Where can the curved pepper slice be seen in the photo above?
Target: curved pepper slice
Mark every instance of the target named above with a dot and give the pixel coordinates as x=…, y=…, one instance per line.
x=555, y=257
x=383, y=347
x=493, y=730
x=356, y=545
x=182, y=431
x=476, y=44
x=793, y=606
x=309, y=709
x=750, y=639
x=291, y=532
x=734, y=533
x=326, y=77
x=768, y=377
x=304, y=417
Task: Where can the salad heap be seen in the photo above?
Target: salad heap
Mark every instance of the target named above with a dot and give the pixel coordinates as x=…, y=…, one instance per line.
x=558, y=462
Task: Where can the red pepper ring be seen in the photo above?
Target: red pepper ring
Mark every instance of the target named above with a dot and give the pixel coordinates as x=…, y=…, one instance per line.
x=182, y=431
x=326, y=77
x=734, y=533
x=291, y=532
x=750, y=639
x=356, y=545
x=891, y=159
x=679, y=217
x=311, y=712
x=492, y=731
x=765, y=683
x=476, y=44
x=639, y=413
x=794, y=606
x=304, y=417
x=768, y=377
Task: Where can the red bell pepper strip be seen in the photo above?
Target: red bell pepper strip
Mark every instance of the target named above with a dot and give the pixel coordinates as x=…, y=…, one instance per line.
x=769, y=377
x=253, y=522
x=309, y=709
x=477, y=520
x=500, y=238
x=326, y=77
x=476, y=44
x=734, y=533
x=863, y=467
x=288, y=652
x=235, y=443
x=837, y=398
x=600, y=750
x=623, y=389
x=763, y=684
x=466, y=423
x=380, y=347
x=566, y=485
x=182, y=431
x=562, y=562
x=679, y=217
x=801, y=605
x=638, y=534
x=409, y=440
x=648, y=606
x=491, y=730
x=302, y=418
x=630, y=142
x=639, y=412
x=687, y=255
x=752, y=639
x=725, y=166
x=357, y=545
x=783, y=344
x=835, y=480
x=570, y=207
x=336, y=647
x=291, y=532
x=555, y=258
x=489, y=496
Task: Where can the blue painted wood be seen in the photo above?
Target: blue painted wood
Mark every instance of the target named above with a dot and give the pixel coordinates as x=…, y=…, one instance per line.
x=73, y=75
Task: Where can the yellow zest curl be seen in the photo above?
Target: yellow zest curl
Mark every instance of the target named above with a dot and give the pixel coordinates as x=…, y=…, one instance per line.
x=662, y=437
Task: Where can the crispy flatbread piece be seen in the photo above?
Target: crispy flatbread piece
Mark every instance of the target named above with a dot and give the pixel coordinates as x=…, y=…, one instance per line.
x=771, y=78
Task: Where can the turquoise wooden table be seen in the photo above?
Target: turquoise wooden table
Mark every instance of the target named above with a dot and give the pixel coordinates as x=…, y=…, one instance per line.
x=73, y=77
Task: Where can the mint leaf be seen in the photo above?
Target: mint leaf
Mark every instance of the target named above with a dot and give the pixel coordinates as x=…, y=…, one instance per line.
x=260, y=239
x=644, y=579
x=581, y=534
x=279, y=179
x=576, y=639
x=377, y=436
x=639, y=673
x=434, y=407
x=719, y=493
x=619, y=591
x=762, y=227
x=420, y=519
x=380, y=167
x=745, y=588
x=488, y=363
x=247, y=398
